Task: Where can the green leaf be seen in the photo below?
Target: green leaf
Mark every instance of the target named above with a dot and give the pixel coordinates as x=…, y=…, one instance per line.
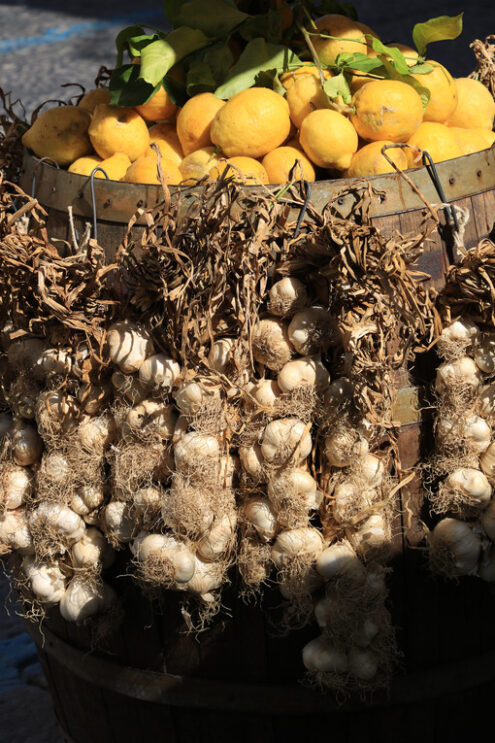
x=122, y=40
x=159, y=56
x=216, y=18
x=436, y=29
x=266, y=25
x=127, y=88
x=395, y=54
x=421, y=69
x=338, y=85
x=258, y=56
x=176, y=90
x=393, y=74
x=137, y=43
x=207, y=68
x=357, y=61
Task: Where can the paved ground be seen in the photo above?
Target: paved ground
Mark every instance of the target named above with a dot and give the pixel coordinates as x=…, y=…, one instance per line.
x=44, y=44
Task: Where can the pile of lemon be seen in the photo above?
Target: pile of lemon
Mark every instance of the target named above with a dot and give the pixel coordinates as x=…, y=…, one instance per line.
x=261, y=136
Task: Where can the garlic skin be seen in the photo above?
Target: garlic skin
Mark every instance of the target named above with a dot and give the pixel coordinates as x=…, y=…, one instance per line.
x=148, y=498
x=286, y=439
x=372, y=536
x=220, y=354
x=287, y=296
x=294, y=484
x=92, y=549
x=461, y=372
x=96, y=434
x=128, y=346
x=292, y=543
x=26, y=444
x=484, y=353
x=61, y=519
x=82, y=600
x=16, y=485
x=301, y=372
x=191, y=396
x=270, y=343
x=91, y=397
x=52, y=361
x=57, y=410
x=252, y=460
x=319, y=655
x=195, y=449
x=259, y=513
x=474, y=429
x=344, y=446
x=55, y=468
x=152, y=416
x=207, y=577
x=460, y=541
x=312, y=331
x=339, y=560
x=159, y=372
x=216, y=541
x=372, y=470
x=15, y=533
x=87, y=499
x=47, y=580
x=118, y=522
x=486, y=401
x=363, y=664
x=267, y=393
x=166, y=546
x=472, y=484
x=460, y=331
x=487, y=461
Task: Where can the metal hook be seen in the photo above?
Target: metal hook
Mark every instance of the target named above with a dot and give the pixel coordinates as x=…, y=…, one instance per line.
x=433, y=173
x=37, y=167
x=307, y=188
x=92, y=185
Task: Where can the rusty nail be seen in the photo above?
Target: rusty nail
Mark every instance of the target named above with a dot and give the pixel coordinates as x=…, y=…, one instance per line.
x=382, y=197
x=340, y=201
x=107, y=203
x=478, y=173
x=79, y=194
x=451, y=180
x=140, y=204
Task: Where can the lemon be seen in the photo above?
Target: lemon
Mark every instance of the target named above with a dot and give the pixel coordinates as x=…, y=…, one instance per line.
x=328, y=139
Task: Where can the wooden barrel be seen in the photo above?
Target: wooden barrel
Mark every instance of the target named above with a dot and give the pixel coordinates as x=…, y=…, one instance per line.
x=238, y=679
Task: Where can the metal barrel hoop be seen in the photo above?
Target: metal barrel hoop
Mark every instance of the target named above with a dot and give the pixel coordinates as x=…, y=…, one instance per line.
x=37, y=167
x=433, y=173
x=93, y=202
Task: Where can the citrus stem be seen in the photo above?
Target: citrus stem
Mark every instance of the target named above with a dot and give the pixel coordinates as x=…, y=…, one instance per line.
x=340, y=108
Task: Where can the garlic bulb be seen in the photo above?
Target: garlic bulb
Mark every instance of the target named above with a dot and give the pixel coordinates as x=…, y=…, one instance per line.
x=47, y=580
x=191, y=396
x=349, y=498
x=460, y=541
x=252, y=460
x=487, y=461
x=296, y=542
x=128, y=346
x=339, y=560
x=340, y=392
x=87, y=498
x=312, y=330
x=324, y=610
x=52, y=361
x=258, y=512
x=374, y=583
x=96, y=434
x=319, y=655
x=57, y=411
x=367, y=633
x=293, y=484
x=207, y=577
x=363, y=664
x=484, y=353
x=271, y=345
x=91, y=397
x=286, y=296
x=220, y=353
x=26, y=444
x=15, y=486
x=372, y=470
x=118, y=522
x=153, y=416
x=217, y=539
x=55, y=468
x=472, y=428
x=194, y=450
x=300, y=372
x=487, y=520
x=148, y=498
x=159, y=372
x=129, y=387
x=92, y=549
x=15, y=533
x=471, y=484
x=267, y=393
x=462, y=371
x=61, y=519
x=166, y=547
x=486, y=401
x=285, y=439
x=372, y=535
x=344, y=446
x=25, y=353
x=460, y=331
x=83, y=600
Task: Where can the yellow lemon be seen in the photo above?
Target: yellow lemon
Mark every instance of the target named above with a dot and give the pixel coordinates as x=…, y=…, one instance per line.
x=242, y=169
x=279, y=162
x=199, y=163
x=443, y=92
x=194, y=121
x=251, y=123
x=305, y=95
x=475, y=106
x=386, y=109
x=158, y=108
x=118, y=129
x=61, y=134
x=369, y=160
x=328, y=139
x=472, y=140
x=437, y=139
x=115, y=166
x=93, y=97
x=351, y=37
x=86, y=165
x=165, y=136
x=308, y=68
x=144, y=170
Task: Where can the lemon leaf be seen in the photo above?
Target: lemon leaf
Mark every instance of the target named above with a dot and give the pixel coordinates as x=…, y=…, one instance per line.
x=207, y=68
x=258, y=56
x=216, y=18
x=356, y=61
x=267, y=25
x=159, y=56
x=338, y=85
x=436, y=29
x=395, y=54
x=127, y=88
x=123, y=38
x=393, y=74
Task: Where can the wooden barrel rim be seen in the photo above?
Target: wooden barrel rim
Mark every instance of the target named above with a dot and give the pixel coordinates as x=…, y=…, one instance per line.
x=117, y=202
x=182, y=691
